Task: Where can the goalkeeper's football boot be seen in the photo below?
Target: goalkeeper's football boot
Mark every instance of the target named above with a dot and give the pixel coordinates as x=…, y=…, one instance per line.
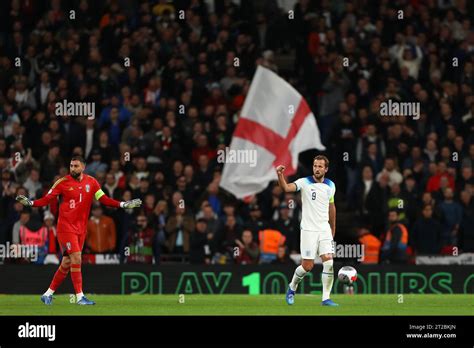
x=47, y=300
x=85, y=302
x=290, y=296
x=329, y=302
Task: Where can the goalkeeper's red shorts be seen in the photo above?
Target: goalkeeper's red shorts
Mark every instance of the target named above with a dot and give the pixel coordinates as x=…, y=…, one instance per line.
x=71, y=242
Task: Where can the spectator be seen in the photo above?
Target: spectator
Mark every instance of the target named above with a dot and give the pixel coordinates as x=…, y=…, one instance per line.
x=203, y=148
x=412, y=195
x=466, y=229
x=8, y=117
x=32, y=233
x=334, y=87
x=23, y=97
x=255, y=222
x=213, y=197
x=96, y=165
x=397, y=201
x=371, y=245
x=466, y=180
x=101, y=232
x=451, y=219
x=226, y=235
x=153, y=91
x=395, y=240
x=50, y=163
x=114, y=125
x=414, y=158
x=25, y=217
x=32, y=184
x=425, y=237
x=372, y=200
x=229, y=210
x=179, y=229
x=203, y=172
x=434, y=180
x=346, y=145
x=208, y=214
x=269, y=241
x=140, y=241
x=394, y=176
x=110, y=187
x=431, y=151
x=373, y=158
x=53, y=245
x=289, y=228
x=248, y=249
x=443, y=185
x=42, y=89
x=410, y=58
x=200, y=250
x=182, y=186
x=282, y=257
x=370, y=137
x=159, y=221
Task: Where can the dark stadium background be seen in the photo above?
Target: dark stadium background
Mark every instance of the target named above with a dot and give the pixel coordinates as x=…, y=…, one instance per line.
x=141, y=145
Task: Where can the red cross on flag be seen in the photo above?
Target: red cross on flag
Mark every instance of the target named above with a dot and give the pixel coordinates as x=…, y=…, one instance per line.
x=275, y=125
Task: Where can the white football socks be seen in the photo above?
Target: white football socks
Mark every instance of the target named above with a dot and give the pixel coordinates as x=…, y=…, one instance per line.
x=297, y=277
x=79, y=296
x=327, y=278
x=48, y=292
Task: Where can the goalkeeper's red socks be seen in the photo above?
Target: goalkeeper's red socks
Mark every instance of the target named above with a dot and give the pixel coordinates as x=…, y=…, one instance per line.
x=58, y=278
x=76, y=276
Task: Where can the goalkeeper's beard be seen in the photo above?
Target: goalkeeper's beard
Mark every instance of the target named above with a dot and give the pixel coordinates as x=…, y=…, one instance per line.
x=75, y=175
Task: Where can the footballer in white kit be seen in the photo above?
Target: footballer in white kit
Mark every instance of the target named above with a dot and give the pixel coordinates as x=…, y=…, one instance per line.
x=318, y=225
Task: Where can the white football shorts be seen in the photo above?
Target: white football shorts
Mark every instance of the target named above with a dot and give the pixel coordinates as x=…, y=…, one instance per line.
x=316, y=243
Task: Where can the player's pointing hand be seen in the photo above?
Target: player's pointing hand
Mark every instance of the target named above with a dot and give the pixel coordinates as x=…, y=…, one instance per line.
x=134, y=203
x=280, y=169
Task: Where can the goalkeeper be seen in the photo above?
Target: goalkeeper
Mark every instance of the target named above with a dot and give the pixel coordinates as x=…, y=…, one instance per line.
x=77, y=191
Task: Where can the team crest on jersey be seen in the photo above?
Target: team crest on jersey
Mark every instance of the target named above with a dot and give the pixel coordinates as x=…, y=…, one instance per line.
x=88, y=188
x=68, y=246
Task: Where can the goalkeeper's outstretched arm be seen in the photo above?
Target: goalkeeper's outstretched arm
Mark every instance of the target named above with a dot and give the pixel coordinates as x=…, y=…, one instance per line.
x=110, y=202
x=41, y=202
x=52, y=194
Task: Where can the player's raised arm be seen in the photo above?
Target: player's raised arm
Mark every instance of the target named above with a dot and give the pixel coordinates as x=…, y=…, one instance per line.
x=53, y=193
x=291, y=187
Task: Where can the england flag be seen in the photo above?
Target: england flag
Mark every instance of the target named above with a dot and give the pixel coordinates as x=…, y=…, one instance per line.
x=276, y=124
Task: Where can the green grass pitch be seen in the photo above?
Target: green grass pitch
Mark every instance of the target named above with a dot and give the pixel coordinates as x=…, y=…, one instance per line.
x=241, y=305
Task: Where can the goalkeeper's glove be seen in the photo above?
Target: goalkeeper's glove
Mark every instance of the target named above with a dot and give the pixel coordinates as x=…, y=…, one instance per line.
x=24, y=200
x=134, y=203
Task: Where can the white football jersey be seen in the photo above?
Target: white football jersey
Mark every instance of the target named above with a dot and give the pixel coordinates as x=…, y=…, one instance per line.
x=315, y=198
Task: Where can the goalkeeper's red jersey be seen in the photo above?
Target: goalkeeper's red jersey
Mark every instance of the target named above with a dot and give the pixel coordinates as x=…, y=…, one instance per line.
x=76, y=201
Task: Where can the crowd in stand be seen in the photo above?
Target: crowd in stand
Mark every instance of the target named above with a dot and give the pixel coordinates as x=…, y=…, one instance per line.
x=168, y=80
